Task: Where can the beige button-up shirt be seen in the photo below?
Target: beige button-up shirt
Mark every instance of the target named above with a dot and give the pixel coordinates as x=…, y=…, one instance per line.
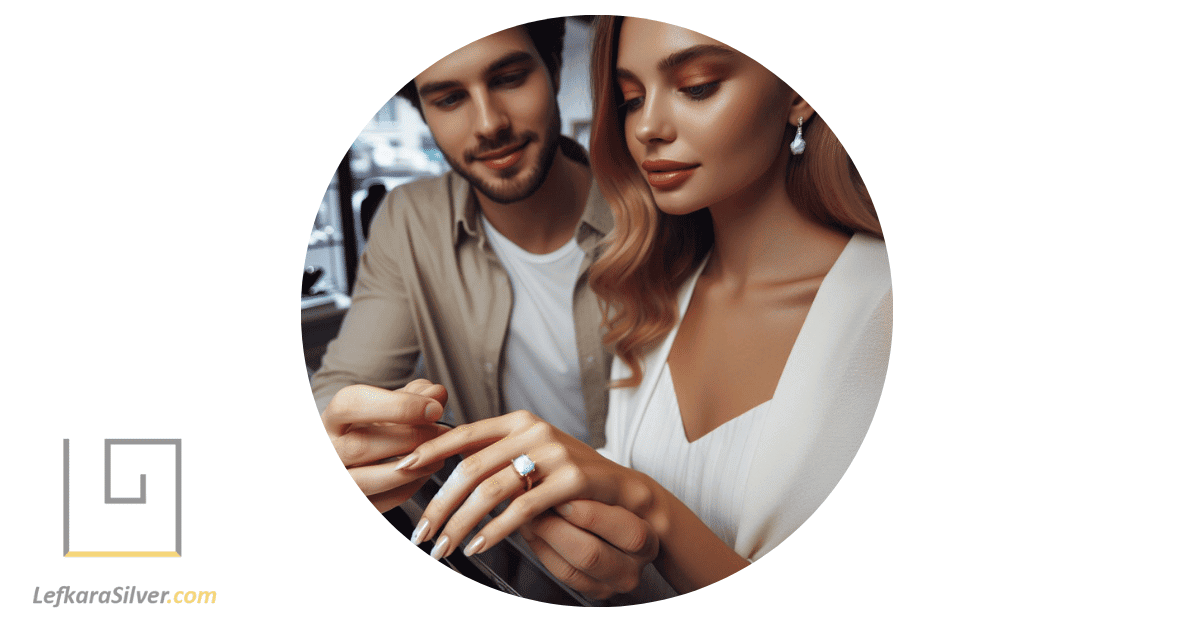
x=430, y=286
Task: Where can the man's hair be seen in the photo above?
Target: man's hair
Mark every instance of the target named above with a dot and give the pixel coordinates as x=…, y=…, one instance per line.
x=547, y=37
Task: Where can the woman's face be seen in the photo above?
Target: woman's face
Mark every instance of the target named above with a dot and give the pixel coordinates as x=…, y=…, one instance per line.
x=704, y=123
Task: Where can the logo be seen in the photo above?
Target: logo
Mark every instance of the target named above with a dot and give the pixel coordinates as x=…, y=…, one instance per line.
x=124, y=516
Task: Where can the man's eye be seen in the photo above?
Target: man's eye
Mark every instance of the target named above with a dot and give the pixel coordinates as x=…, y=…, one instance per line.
x=509, y=80
x=448, y=101
x=700, y=92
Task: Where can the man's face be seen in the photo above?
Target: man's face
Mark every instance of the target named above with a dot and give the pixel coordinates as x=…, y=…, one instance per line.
x=492, y=111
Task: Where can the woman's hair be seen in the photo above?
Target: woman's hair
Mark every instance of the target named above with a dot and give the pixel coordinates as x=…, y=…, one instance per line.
x=650, y=253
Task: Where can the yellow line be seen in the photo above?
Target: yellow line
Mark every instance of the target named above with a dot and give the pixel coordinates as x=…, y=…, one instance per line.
x=122, y=554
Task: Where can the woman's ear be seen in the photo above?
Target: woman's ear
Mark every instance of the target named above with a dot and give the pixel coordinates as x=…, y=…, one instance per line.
x=800, y=110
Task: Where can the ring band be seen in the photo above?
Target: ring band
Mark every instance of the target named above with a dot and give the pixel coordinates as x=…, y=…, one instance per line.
x=524, y=466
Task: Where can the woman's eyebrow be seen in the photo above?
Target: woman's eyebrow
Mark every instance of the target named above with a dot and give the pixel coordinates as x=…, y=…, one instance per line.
x=676, y=59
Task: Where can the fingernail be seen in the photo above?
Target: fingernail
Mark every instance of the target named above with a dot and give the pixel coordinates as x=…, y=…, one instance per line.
x=564, y=509
x=439, y=548
x=418, y=535
x=406, y=463
x=474, y=546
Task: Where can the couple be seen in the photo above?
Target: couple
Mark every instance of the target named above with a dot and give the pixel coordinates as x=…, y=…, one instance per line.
x=742, y=286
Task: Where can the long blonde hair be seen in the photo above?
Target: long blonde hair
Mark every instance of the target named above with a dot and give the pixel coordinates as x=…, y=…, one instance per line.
x=650, y=253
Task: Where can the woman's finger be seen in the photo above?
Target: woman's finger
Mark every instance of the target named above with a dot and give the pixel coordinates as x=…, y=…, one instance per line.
x=388, y=500
x=556, y=488
x=501, y=485
x=471, y=436
x=586, y=558
x=469, y=473
x=622, y=529
x=566, y=572
x=380, y=478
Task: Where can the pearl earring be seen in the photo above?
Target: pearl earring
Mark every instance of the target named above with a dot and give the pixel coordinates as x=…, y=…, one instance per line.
x=797, y=145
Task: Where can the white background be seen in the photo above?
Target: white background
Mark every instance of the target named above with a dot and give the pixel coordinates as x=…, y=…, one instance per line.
x=1033, y=458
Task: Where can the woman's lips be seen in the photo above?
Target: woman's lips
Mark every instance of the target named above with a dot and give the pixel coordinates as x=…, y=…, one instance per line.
x=665, y=174
x=503, y=158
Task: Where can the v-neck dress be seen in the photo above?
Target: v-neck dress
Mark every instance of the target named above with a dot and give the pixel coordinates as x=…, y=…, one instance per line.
x=715, y=460
x=757, y=477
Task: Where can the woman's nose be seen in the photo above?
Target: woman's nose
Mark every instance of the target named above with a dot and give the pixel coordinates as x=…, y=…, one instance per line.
x=653, y=122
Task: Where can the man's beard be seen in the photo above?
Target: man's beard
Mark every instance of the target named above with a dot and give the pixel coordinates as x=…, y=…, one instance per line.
x=519, y=187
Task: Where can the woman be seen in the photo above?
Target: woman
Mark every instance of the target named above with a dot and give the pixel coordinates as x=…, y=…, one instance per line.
x=749, y=306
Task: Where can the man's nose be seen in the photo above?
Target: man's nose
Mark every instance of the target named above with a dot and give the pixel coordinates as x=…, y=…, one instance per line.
x=492, y=117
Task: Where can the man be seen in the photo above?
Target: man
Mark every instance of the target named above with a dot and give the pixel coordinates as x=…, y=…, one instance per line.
x=482, y=273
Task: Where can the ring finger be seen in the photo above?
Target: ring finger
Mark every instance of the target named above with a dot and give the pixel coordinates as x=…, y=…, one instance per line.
x=501, y=485
x=465, y=477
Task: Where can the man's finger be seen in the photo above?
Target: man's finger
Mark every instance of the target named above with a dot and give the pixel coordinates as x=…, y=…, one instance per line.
x=427, y=388
x=368, y=445
x=368, y=404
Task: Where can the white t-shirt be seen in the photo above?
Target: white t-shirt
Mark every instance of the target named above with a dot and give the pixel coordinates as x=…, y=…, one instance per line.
x=541, y=361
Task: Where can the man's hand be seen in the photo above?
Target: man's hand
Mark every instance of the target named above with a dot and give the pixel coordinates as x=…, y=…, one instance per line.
x=596, y=549
x=371, y=426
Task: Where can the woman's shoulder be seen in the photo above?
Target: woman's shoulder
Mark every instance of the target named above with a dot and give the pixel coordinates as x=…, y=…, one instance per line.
x=862, y=268
x=869, y=249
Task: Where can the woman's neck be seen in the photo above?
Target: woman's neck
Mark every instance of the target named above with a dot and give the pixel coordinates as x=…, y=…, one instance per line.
x=761, y=238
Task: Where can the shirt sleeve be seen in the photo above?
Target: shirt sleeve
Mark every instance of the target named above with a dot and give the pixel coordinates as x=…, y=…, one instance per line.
x=377, y=343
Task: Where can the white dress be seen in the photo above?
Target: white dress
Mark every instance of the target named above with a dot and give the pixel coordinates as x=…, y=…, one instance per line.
x=766, y=471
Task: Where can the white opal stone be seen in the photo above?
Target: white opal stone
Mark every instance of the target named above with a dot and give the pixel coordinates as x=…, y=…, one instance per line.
x=523, y=465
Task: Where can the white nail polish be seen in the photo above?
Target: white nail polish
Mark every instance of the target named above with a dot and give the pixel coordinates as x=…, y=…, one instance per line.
x=474, y=546
x=406, y=463
x=418, y=535
x=439, y=548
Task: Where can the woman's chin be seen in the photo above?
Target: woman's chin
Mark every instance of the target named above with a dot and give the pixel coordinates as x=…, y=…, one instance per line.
x=675, y=206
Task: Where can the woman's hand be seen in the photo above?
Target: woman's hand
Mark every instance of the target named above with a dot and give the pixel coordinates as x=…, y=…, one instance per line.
x=596, y=549
x=565, y=469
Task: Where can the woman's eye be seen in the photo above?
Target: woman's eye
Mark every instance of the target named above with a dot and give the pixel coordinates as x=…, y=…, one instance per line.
x=700, y=92
x=632, y=104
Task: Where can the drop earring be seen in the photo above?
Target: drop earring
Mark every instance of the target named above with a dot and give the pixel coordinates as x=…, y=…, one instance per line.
x=797, y=145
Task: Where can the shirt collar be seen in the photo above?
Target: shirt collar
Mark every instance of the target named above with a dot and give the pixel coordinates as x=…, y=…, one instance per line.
x=464, y=208
x=596, y=214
